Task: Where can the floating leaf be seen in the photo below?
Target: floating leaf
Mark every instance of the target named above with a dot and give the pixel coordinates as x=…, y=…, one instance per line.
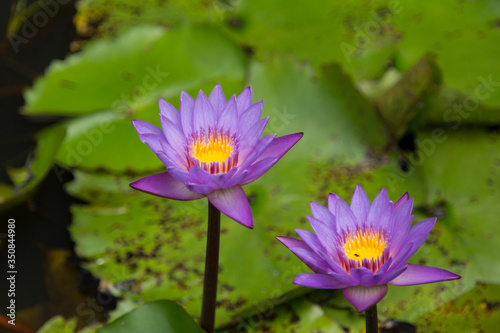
x=157, y=317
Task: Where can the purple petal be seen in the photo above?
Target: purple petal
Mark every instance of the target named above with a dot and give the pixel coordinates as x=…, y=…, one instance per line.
x=250, y=156
x=364, y=297
x=179, y=161
x=280, y=146
x=378, y=206
x=333, y=260
x=294, y=245
x=175, y=137
x=250, y=117
x=402, y=213
x=419, y=233
x=237, y=179
x=164, y=185
x=249, y=138
x=416, y=274
x=387, y=217
x=229, y=117
x=325, y=233
x=402, y=200
x=401, y=255
x=360, y=204
x=345, y=279
x=391, y=274
x=217, y=99
x=203, y=114
x=202, y=181
x=169, y=112
x=318, y=281
x=244, y=100
x=323, y=214
x=292, y=242
x=332, y=203
x=258, y=169
x=311, y=240
x=153, y=141
x=180, y=175
x=399, y=232
x=234, y=203
x=186, y=111
x=379, y=274
x=200, y=188
x=345, y=218
x=311, y=259
x=143, y=127
x=363, y=276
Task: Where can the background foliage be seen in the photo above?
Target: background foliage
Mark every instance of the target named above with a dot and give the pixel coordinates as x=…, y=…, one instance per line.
x=397, y=94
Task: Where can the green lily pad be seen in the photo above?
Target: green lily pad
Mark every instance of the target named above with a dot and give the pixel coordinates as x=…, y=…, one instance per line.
x=475, y=311
x=462, y=192
x=157, y=317
x=58, y=325
x=468, y=32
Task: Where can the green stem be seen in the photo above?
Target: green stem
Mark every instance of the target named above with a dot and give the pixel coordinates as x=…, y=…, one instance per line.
x=211, y=270
x=371, y=319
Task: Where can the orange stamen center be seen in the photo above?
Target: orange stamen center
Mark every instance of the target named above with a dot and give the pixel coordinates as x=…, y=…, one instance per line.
x=364, y=248
x=215, y=152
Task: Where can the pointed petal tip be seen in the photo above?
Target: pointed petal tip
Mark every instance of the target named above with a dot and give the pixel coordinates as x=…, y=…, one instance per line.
x=364, y=297
x=233, y=203
x=164, y=185
x=417, y=274
x=317, y=281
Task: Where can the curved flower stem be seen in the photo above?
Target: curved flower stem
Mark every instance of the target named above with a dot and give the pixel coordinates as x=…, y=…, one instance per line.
x=371, y=319
x=211, y=270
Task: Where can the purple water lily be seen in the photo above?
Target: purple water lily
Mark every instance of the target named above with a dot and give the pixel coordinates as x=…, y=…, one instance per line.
x=363, y=248
x=210, y=148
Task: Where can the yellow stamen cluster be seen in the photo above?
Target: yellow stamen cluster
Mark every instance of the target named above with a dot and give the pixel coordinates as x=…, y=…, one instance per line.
x=213, y=152
x=366, y=248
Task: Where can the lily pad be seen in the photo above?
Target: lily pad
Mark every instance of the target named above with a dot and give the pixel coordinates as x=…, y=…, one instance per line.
x=462, y=193
x=157, y=317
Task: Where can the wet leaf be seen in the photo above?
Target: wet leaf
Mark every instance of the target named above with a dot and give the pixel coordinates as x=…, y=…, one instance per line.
x=157, y=317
